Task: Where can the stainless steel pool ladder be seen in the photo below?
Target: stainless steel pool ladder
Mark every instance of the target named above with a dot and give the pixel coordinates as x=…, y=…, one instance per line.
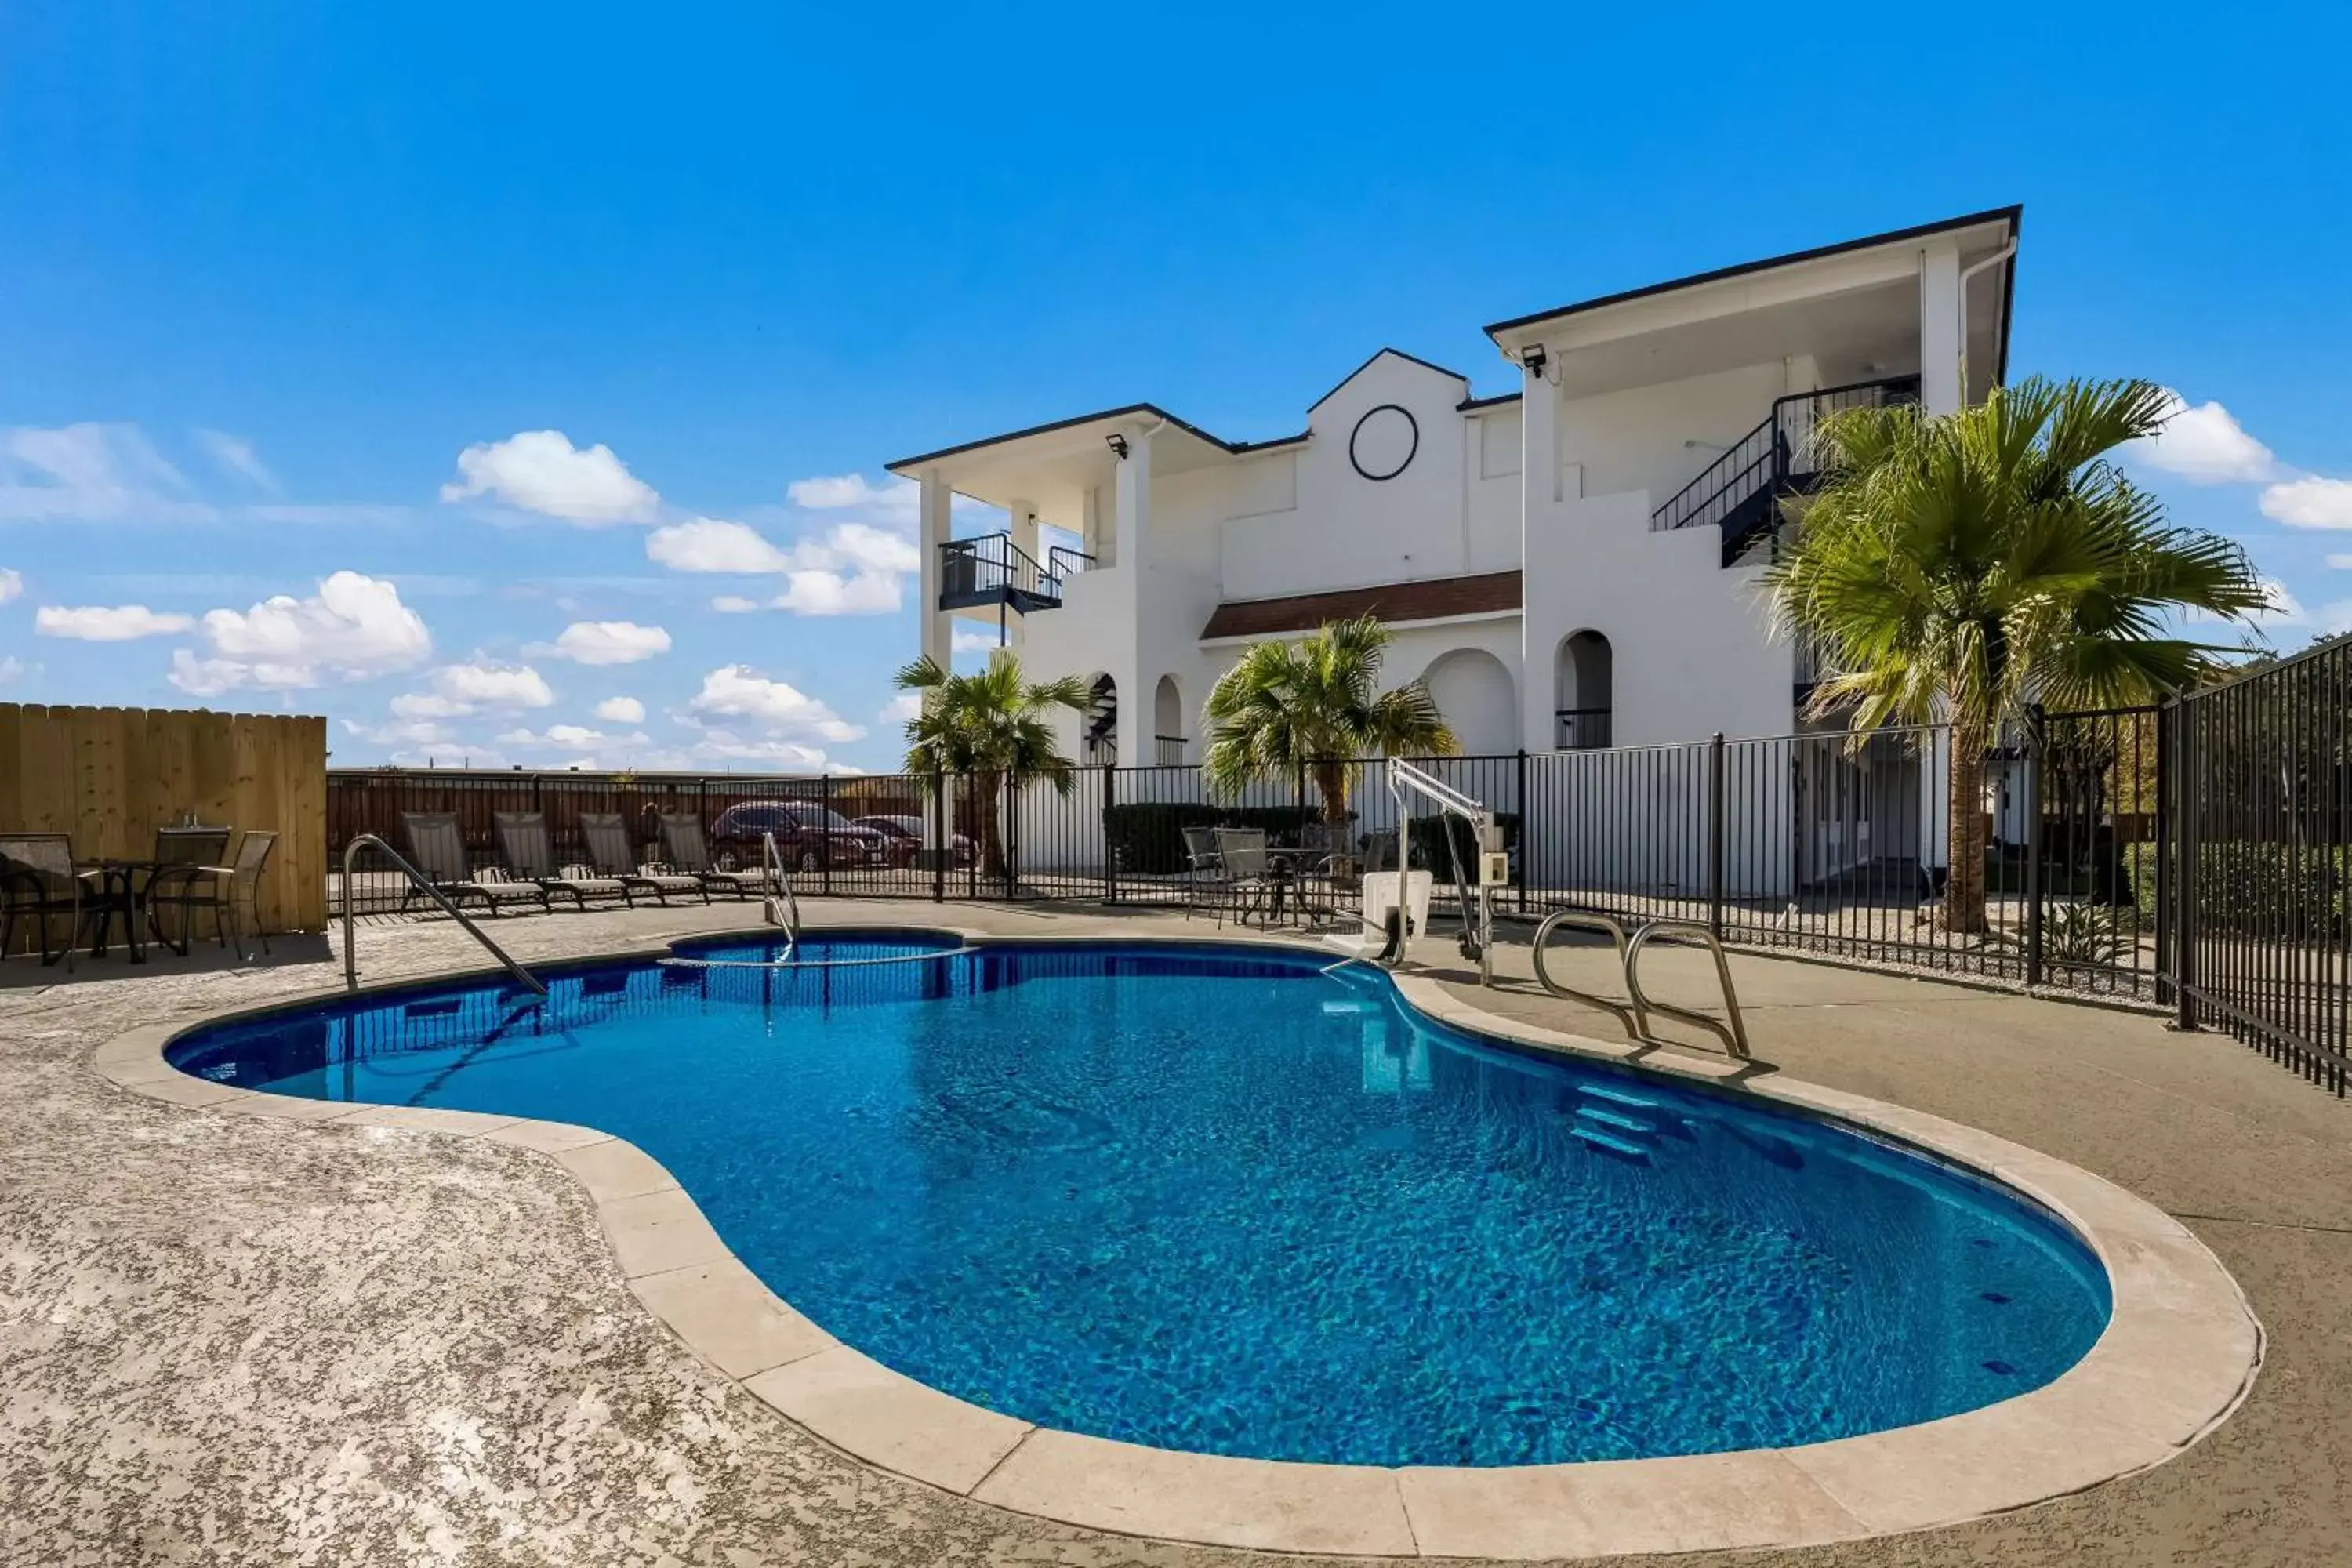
x=1731, y=1030
x=522, y=977
x=781, y=906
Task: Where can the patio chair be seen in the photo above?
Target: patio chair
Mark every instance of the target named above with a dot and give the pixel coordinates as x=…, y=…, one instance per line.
x=1202, y=867
x=1325, y=859
x=1248, y=868
x=439, y=852
x=610, y=854
x=37, y=878
x=688, y=855
x=218, y=888
x=183, y=856
x=530, y=855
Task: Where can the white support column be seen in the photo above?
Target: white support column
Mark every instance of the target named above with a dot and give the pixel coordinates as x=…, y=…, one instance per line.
x=1538, y=500
x=1940, y=328
x=1127, y=551
x=1022, y=525
x=933, y=507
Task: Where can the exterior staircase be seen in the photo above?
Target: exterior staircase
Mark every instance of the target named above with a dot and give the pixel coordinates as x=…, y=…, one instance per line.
x=1742, y=491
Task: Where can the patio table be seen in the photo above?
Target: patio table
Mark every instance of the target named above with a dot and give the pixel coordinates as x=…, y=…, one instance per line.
x=124, y=881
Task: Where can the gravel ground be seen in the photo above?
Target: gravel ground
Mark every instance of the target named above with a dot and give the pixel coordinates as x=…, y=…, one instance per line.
x=225, y=1340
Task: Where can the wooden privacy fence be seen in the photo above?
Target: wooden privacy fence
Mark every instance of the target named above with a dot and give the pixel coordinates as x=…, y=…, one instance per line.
x=112, y=776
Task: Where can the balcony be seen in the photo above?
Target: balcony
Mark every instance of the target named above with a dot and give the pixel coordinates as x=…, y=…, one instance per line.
x=1582, y=729
x=993, y=572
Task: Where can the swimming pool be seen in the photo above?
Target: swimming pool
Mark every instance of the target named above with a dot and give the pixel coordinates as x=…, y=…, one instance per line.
x=1211, y=1198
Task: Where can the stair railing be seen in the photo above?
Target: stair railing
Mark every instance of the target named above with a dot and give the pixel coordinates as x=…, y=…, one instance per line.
x=991, y=561
x=521, y=976
x=1774, y=455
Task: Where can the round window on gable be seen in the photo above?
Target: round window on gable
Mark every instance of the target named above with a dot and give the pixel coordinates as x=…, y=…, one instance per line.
x=1383, y=442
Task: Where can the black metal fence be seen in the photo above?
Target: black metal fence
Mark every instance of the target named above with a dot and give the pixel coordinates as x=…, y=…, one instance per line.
x=1814, y=843
x=2197, y=856
x=2261, y=861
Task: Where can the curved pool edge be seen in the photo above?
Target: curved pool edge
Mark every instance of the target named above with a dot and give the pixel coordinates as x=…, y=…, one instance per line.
x=2179, y=1352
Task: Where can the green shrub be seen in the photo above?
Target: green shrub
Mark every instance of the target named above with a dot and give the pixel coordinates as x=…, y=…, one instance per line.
x=1429, y=848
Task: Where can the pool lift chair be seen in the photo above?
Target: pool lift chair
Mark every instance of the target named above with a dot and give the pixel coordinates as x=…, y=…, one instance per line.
x=1396, y=903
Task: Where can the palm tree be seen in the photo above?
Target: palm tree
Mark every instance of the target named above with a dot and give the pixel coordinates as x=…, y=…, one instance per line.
x=993, y=728
x=1311, y=704
x=1957, y=567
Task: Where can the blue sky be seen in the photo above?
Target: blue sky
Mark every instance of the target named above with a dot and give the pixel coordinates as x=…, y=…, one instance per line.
x=391, y=362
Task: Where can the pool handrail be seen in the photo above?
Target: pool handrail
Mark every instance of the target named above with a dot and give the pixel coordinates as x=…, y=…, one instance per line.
x=522, y=976
x=1635, y=1013
x=784, y=912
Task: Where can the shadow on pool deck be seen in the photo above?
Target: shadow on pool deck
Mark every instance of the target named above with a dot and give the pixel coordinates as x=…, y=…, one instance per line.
x=230, y=1341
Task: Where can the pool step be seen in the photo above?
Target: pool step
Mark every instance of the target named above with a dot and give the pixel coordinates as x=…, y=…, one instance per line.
x=1617, y=1096
x=1610, y=1143
x=1615, y=1121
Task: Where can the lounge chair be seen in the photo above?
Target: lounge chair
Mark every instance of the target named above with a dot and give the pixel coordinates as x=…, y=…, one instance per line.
x=530, y=855
x=683, y=849
x=610, y=854
x=438, y=851
x=218, y=888
x=37, y=878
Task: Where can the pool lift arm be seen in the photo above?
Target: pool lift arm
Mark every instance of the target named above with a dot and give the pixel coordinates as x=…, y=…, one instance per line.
x=1475, y=892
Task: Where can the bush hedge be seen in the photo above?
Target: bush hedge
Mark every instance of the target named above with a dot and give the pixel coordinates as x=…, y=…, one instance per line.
x=1147, y=838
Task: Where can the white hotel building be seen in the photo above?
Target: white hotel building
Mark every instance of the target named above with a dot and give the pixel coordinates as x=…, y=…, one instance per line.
x=1572, y=564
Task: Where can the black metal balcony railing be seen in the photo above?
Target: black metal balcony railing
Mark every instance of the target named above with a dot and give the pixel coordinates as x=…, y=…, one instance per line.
x=1063, y=563
x=1740, y=491
x=993, y=570
x=1582, y=729
x=1170, y=749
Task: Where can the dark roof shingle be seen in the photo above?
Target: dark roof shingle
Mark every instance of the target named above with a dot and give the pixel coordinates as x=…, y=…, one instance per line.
x=1432, y=598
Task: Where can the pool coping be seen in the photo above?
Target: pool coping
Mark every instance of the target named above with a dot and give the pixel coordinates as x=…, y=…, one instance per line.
x=2181, y=1350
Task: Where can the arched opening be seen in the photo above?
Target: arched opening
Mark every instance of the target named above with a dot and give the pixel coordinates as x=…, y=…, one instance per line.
x=1098, y=730
x=1168, y=737
x=1473, y=690
x=1582, y=695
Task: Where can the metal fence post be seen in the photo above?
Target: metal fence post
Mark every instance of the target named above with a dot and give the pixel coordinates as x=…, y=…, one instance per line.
x=825, y=829
x=2161, y=834
x=2184, y=874
x=1526, y=833
x=942, y=841
x=1717, y=832
x=2035, y=751
x=1110, y=847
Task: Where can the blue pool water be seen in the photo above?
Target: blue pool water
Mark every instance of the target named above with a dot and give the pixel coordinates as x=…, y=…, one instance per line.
x=1213, y=1199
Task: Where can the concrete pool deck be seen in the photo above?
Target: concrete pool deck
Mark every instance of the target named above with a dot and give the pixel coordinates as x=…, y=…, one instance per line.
x=230, y=1339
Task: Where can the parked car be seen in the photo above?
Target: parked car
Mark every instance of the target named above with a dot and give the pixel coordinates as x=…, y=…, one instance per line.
x=809, y=836
x=906, y=836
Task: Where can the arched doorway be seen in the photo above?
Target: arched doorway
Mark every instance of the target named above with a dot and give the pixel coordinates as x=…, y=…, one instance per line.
x=1168, y=738
x=1584, y=699
x=1473, y=690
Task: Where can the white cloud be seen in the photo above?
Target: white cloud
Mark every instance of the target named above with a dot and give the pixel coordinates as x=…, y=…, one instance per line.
x=2279, y=608
x=12, y=582
x=100, y=623
x=2310, y=501
x=621, y=711
x=972, y=642
x=354, y=626
x=832, y=492
x=709, y=544
x=902, y=708
x=11, y=670
x=235, y=457
x=605, y=642
x=831, y=593
x=2341, y=562
x=541, y=471
x=91, y=473
x=569, y=737
x=2205, y=445
x=856, y=569
x=737, y=691
x=476, y=685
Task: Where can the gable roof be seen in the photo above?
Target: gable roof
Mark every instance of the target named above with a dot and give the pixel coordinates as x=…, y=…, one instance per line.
x=1414, y=359
x=2013, y=215
x=1237, y=447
